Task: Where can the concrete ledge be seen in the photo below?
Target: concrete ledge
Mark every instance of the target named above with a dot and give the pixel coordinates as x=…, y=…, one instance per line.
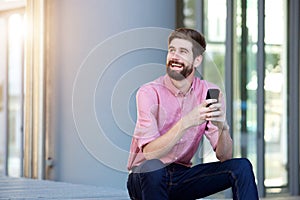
x=29, y=189
x=22, y=188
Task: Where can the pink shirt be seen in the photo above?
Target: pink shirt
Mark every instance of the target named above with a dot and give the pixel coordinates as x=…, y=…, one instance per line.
x=159, y=106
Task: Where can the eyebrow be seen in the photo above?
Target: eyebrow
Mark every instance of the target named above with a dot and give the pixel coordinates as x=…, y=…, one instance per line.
x=181, y=48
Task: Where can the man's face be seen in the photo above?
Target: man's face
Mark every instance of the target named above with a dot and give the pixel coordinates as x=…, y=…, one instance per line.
x=180, y=62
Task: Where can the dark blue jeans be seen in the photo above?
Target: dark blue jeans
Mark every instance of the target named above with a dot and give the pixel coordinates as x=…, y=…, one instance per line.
x=153, y=180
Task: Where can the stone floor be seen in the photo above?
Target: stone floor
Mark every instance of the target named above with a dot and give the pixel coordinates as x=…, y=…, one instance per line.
x=30, y=189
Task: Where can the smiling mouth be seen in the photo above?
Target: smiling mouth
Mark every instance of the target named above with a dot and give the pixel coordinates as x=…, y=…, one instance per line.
x=176, y=65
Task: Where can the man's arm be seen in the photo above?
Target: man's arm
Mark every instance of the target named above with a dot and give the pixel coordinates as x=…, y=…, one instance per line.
x=218, y=118
x=163, y=144
x=147, y=127
x=224, y=145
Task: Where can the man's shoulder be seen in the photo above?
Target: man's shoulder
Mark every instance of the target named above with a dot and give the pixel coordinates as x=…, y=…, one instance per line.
x=199, y=82
x=157, y=83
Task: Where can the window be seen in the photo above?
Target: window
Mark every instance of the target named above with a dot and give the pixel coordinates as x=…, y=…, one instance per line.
x=245, y=79
x=11, y=133
x=22, y=80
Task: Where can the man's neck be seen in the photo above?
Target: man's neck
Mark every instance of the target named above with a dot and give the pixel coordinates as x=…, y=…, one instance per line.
x=183, y=85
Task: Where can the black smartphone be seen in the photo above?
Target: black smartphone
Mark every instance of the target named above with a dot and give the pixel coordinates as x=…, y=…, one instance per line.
x=213, y=94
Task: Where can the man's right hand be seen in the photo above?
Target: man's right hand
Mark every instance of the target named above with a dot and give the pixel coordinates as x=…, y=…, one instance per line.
x=199, y=114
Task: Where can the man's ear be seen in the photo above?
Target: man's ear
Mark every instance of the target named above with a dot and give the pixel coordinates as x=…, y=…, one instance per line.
x=198, y=61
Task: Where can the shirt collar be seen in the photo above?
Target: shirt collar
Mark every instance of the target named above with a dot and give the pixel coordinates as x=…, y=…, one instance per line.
x=168, y=83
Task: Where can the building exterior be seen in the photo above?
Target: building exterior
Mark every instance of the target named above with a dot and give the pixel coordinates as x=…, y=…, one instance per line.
x=68, y=82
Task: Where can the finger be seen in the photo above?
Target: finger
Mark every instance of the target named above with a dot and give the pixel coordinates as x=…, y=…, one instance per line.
x=214, y=114
x=209, y=102
x=215, y=120
x=215, y=106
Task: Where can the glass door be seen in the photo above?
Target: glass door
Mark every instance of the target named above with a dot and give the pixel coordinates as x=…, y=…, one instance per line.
x=15, y=94
x=11, y=92
x=3, y=101
x=258, y=78
x=273, y=71
x=276, y=96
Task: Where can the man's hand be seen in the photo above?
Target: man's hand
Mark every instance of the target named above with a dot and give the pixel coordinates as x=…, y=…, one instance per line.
x=196, y=117
x=216, y=114
x=209, y=110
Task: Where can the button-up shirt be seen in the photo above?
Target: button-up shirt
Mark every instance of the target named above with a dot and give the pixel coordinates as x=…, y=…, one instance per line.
x=160, y=105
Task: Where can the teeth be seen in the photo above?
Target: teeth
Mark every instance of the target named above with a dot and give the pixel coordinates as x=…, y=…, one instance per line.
x=176, y=65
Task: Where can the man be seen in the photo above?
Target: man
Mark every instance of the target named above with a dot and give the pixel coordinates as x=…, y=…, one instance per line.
x=172, y=116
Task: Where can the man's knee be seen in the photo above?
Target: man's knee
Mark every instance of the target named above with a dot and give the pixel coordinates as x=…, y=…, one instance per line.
x=243, y=167
x=244, y=163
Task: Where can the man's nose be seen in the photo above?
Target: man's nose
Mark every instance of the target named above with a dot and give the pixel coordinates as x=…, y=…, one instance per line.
x=175, y=55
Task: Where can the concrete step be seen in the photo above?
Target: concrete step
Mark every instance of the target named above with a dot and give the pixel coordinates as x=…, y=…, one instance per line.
x=22, y=188
x=30, y=189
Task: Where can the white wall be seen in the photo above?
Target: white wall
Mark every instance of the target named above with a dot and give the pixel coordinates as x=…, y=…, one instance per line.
x=97, y=59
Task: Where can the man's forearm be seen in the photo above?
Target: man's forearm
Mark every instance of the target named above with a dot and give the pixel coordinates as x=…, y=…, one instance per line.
x=224, y=146
x=162, y=145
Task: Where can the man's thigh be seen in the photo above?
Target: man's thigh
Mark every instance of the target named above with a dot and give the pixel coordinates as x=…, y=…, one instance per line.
x=202, y=180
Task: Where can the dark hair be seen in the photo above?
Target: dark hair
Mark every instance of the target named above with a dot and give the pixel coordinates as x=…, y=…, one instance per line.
x=197, y=39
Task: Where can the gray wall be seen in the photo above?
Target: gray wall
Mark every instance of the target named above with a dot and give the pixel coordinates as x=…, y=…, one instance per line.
x=100, y=52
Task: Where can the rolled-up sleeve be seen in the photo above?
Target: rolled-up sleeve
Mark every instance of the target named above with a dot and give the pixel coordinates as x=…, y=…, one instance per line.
x=212, y=134
x=146, y=129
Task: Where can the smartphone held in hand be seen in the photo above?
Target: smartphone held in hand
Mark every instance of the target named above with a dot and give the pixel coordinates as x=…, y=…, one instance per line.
x=213, y=93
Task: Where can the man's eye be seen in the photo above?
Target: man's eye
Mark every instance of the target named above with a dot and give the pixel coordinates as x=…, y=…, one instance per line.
x=183, y=51
x=171, y=50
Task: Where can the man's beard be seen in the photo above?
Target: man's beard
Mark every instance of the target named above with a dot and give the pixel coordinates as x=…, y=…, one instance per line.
x=179, y=76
